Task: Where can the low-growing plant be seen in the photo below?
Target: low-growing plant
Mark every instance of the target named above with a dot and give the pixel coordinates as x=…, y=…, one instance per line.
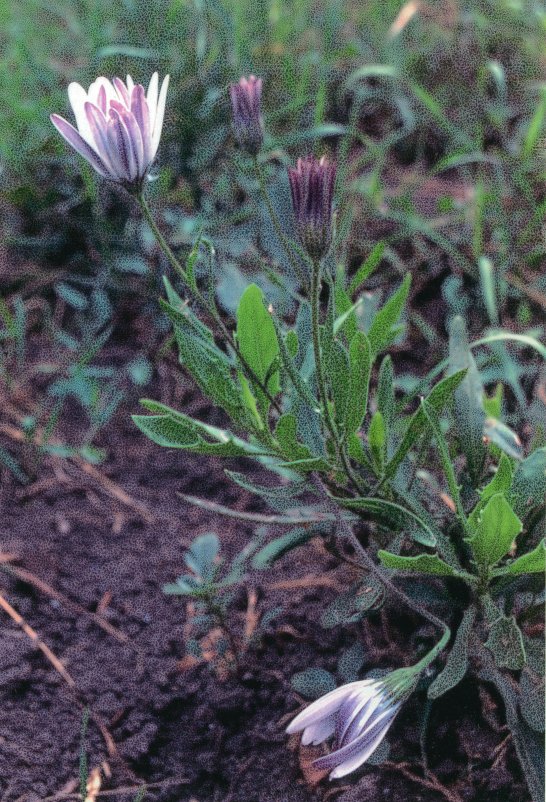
x=210, y=587
x=70, y=377
x=313, y=399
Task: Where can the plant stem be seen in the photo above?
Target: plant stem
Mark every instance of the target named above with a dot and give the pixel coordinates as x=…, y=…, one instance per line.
x=276, y=223
x=201, y=300
x=321, y=381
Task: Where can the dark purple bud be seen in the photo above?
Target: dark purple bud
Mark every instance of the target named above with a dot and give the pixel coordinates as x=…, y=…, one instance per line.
x=312, y=184
x=248, y=125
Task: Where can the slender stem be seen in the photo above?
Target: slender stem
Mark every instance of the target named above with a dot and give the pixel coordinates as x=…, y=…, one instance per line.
x=369, y=565
x=276, y=223
x=321, y=381
x=201, y=300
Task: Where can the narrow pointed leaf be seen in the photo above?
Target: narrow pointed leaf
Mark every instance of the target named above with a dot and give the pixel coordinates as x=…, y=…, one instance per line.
x=422, y=564
x=382, y=331
x=457, y=661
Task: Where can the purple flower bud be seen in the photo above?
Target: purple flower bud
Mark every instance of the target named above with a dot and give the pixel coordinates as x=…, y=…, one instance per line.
x=118, y=126
x=248, y=124
x=312, y=184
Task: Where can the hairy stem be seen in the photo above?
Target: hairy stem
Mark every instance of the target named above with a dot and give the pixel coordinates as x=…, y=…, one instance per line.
x=321, y=381
x=199, y=298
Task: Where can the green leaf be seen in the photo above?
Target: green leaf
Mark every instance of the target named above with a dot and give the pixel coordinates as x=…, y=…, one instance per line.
x=534, y=562
x=439, y=396
x=351, y=661
x=529, y=484
x=496, y=530
x=457, y=661
x=422, y=564
x=505, y=641
x=529, y=745
x=313, y=683
x=360, y=359
x=201, y=556
x=377, y=440
x=367, y=268
x=281, y=545
x=534, y=129
x=268, y=492
x=346, y=321
x=285, y=350
x=207, y=364
x=469, y=412
x=392, y=515
x=336, y=363
x=500, y=483
x=382, y=331
x=531, y=683
x=257, y=338
x=175, y=430
x=386, y=402
x=352, y=605
x=297, y=455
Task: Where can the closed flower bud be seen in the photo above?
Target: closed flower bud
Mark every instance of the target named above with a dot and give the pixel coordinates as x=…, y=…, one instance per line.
x=118, y=127
x=248, y=126
x=357, y=715
x=312, y=185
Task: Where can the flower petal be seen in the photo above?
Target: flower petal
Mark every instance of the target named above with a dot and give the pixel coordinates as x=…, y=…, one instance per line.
x=359, y=745
x=101, y=86
x=75, y=140
x=77, y=97
x=119, y=147
x=139, y=108
x=99, y=130
x=356, y=709
x=323, y=707
x=318, y=732
x=158, y=121
x=151, y=97
x=122, y=92
x=351, y=764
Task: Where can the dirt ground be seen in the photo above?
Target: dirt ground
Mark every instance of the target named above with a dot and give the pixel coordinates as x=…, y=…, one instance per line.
x=85, y=552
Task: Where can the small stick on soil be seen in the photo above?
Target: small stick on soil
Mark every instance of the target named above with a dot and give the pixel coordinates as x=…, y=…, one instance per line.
x=111, y=487
x=431, y=781
x=27, y=576
x=115, y=490
x=126, y=789
x=46, y=651
x=308, y=581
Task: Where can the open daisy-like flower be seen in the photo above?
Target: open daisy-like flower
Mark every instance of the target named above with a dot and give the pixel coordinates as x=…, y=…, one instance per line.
x=358, y=715
x=118, y=126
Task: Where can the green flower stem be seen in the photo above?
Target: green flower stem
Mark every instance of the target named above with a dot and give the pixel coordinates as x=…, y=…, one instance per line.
x=201, y=300
x=321, y=381
x=276, y=223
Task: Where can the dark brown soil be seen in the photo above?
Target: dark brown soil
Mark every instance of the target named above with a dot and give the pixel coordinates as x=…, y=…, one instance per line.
x=190, y=732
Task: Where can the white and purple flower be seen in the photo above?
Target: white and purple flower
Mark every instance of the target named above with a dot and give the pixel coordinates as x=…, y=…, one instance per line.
x=358, y=715
x=118, y=126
